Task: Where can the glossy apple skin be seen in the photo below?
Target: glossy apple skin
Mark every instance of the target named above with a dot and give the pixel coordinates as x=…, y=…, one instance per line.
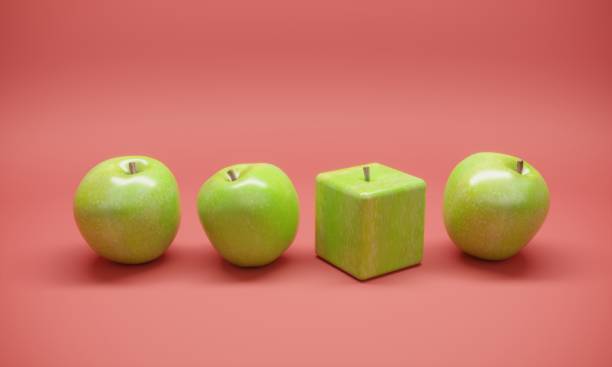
x=491, y=211
x=128, y=218
x=250, y=221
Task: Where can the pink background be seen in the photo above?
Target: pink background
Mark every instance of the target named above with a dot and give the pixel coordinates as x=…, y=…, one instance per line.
x=310, y=86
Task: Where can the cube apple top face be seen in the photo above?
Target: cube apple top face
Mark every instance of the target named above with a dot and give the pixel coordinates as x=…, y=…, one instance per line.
x=383, y=181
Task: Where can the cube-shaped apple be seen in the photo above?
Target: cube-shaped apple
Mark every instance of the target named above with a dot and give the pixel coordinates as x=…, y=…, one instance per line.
x=370, y=219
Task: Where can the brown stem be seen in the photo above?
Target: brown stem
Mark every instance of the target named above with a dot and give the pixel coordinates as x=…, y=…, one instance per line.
x=519, y=166
x=366, y=173
x=232, y=175
x=132, y=166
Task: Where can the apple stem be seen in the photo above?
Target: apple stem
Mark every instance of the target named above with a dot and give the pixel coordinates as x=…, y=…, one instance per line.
x=232, y=175
x=366, y=173
x=519, y=166
x=132, y=167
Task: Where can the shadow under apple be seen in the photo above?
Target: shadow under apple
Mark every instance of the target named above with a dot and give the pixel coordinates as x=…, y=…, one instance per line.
x=373, y=280
x=539, y=260
x=76, y=265
x=223, y=270
x=195, y=263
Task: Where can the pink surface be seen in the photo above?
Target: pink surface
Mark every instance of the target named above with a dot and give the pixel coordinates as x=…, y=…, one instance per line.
x=310, y=87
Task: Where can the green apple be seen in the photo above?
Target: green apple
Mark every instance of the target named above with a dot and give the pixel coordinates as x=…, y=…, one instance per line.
x=127, y=209
x=249, y=212
x=494, y=204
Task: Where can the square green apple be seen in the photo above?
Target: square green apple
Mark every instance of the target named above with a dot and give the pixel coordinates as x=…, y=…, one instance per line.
x=370, y=219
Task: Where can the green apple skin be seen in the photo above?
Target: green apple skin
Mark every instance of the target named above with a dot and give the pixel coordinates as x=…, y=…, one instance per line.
x=491, y=211
x=128, y=218
x=250, y=221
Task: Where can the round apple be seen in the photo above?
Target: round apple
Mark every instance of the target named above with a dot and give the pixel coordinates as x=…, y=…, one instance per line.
x=494, y=204
x=249, y=212
x=127, y=209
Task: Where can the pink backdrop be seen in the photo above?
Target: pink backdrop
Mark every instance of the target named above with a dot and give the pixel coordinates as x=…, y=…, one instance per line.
x=310, y=86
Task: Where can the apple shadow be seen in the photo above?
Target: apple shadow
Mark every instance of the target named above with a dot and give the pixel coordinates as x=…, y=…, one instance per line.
x=223, y=270
x=540, y=260
x=77, y=265
x=373, y=280
x=293, y=264
x=191, y=263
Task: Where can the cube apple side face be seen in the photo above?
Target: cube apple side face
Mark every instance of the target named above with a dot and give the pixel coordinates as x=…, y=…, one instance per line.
x=394, y=229
x=339, y=227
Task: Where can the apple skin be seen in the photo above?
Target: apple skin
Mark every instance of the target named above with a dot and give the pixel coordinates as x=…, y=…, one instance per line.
x=491, y=211
x=128, y=218
x=250, y=221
